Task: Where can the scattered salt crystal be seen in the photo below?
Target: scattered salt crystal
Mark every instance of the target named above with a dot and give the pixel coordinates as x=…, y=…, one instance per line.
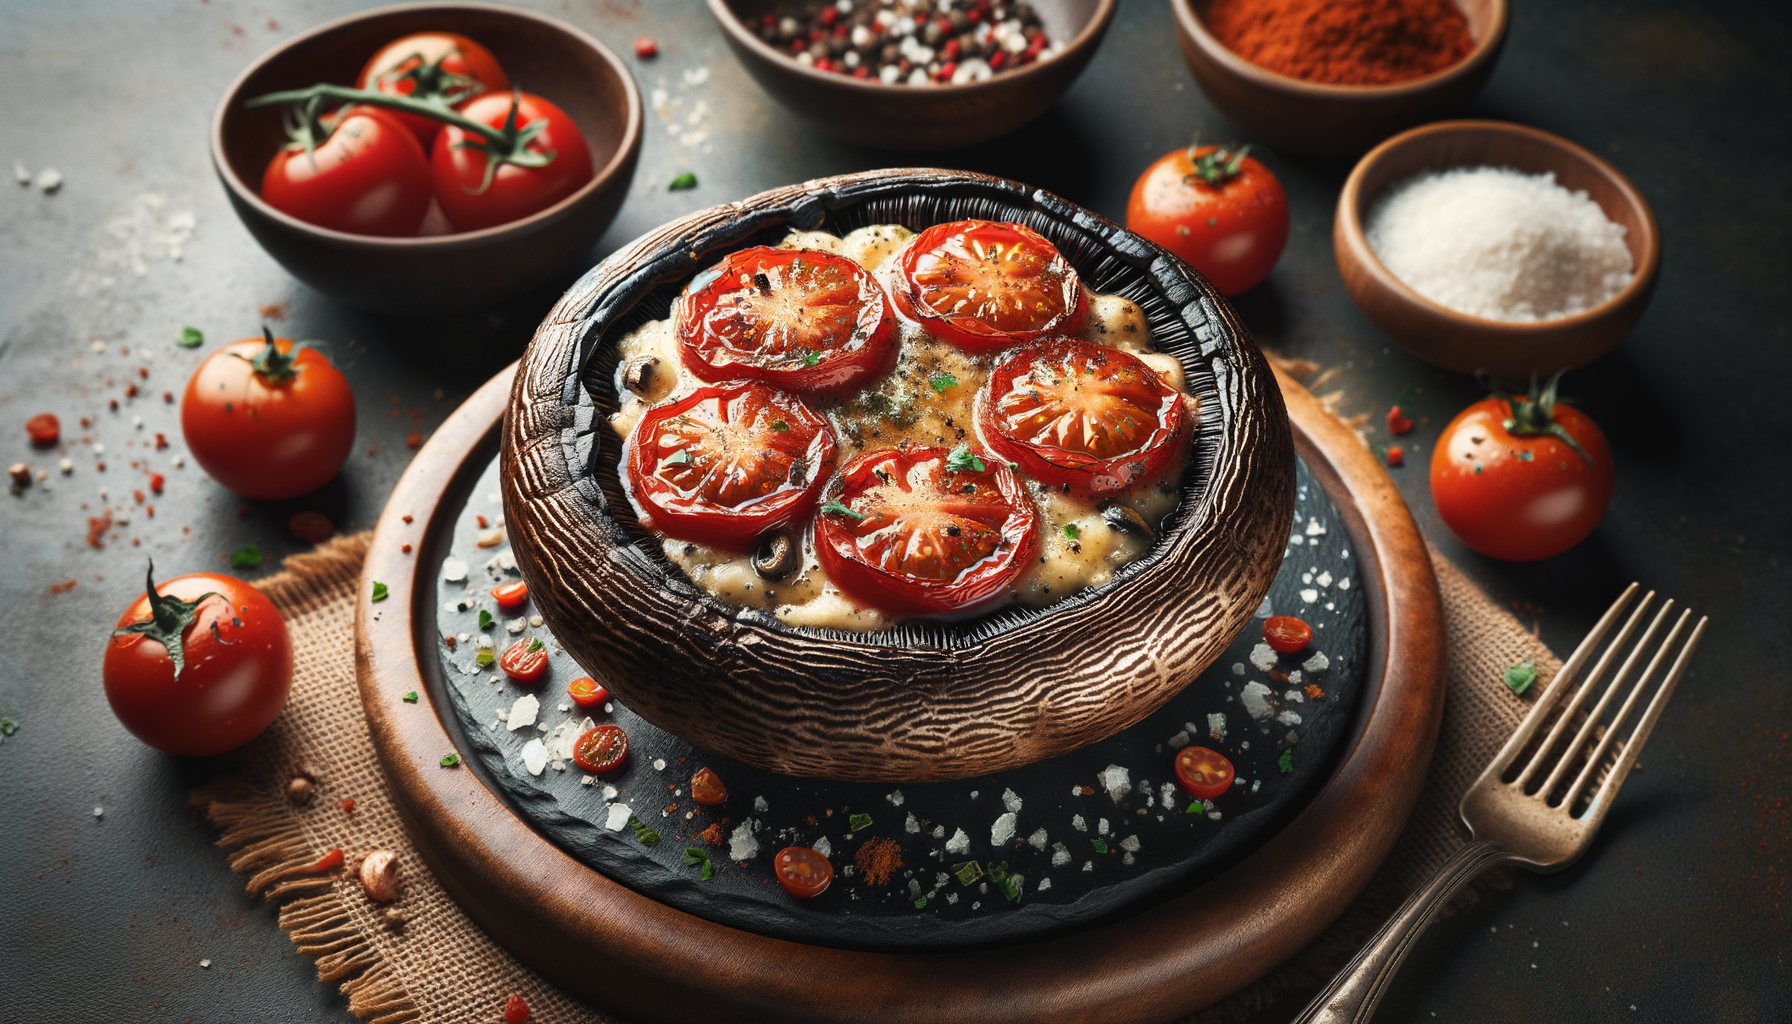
x=1168, y=796
x=1101, y=827
x=523, y=712
x=1317, y=663
x=659, y=764
x=1315, y=528
x=1116, y=780
x=1010, y=801
x=1238, y=668
x=760, y=806
x=1088, y=865
x=1078, y=823
x=516, y=625
x=454, y=570
x=49, y=180
x=911, y=825
x=1264, y=657
x=895, y=798
x=939, y=832
x=1255, y=698
x=823, y=847
x=1130, y=844
x=961, y=843
x=1295, y=697
x=1216, y=725
x=99, y=812
x=536, y=621
x=1288, y=718
x=619, y=815
x=1344, y=584
x=535, y=756
x=20, y=174
x=1044, y=884
x=1309, y=595
x=1324, y=579
x=586, y=781
x=1037, y=840
x=206, y=964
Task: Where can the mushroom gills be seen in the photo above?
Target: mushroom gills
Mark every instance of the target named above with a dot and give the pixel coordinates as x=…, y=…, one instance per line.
x=1127, y=520
x=776, y=556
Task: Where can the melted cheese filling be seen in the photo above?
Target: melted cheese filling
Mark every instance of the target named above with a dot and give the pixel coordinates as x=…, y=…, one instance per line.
x=906, y=406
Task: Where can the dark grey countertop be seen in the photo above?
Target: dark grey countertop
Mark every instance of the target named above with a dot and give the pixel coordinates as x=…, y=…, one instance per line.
x=1676, y=914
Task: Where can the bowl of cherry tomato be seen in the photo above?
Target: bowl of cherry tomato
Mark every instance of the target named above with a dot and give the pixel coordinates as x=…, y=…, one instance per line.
x=325, y=158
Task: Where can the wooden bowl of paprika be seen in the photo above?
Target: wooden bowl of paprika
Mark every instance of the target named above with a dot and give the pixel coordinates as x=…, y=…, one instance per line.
x=1374, y=72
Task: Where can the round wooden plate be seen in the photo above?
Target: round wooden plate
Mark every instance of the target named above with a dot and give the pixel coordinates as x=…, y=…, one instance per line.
x=630, y=954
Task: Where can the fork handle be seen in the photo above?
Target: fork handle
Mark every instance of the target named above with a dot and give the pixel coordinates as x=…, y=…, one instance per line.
x=1352, y=996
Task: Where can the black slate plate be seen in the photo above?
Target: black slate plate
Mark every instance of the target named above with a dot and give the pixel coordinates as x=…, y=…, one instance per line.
x=1136, y=848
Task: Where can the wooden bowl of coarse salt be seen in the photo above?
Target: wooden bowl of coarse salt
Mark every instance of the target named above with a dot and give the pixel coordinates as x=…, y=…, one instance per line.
x=1482, y=246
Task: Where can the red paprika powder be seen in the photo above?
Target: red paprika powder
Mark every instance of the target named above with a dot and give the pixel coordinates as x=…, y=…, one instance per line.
x=1344, y=42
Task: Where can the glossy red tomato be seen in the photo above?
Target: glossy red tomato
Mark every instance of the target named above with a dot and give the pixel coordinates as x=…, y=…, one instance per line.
x=707, y=788
x=1286, y=633
x=919, y=529
x=802, y=872
x=433, y=66
x=1507, y=480
x=511, y=595
x=795, y=319
x=45, y=429
x=268, y=422
x=473, y=199
x=587, y=692
x=984, y=285
x=525, y=661
x=601, y=750
x=1202, y=773
x=201, y=669
x=1220, y=210
x=370, y=177
x=1083, y=414
x=724, y=464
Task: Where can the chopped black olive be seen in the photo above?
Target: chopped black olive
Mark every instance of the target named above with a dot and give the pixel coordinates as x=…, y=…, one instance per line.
x=953, y=530
x=761, y=282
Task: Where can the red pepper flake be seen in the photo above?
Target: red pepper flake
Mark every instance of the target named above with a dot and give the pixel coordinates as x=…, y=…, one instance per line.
x=1397, y=422
x=96, y=530
x=161, y=442
x=483, y=522
x=373, y=449
x=515, y=1010
x=1396, y=457
x=645, y=47
x=157, y=481
x=311, y=527
x=243, y=510
x=413, y=440
x=168, y=397
x=407, y=518
x=112, y=404
x=85, y=422
x=450, y=640
x=100, y=466
x=143, y=372
x=45, y=429
x=348, y=805
x=405, y=548
x=1314, y=692
x=329, y=861
x=63, y=587
x=130, y=391
x=150, y=511
x=138, y=495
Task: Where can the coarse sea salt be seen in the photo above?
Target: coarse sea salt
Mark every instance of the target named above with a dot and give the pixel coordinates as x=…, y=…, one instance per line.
x=1499, y=244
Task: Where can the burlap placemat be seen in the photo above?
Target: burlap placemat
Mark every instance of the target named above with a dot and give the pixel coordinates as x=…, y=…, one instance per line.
x=437, y=965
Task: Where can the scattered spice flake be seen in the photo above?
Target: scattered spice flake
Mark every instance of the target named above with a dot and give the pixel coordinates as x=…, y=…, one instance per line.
x=1397, y=422
x=413, y=439
x=859, y=822
x=380, y=593
x=96, y=529
x=682, y=183
x=515, y=1010
x=329, y=861
x=1286, y=761
x=190, y=337
x=878, y=859
x=646, y=48
x=410, y=698
x=348, y=805
x=272, y=310
x=1520, y=676
x=694, y=856
x=1100, y=845
x=451, y=760
x=1396, y=457
x=63, y=587
x=968, y=872
x=312, y=527
x=712, y=836
x=246, y=557
x=1314, y=692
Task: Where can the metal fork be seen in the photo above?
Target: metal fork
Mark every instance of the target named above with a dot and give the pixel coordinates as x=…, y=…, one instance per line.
x=1519, y=811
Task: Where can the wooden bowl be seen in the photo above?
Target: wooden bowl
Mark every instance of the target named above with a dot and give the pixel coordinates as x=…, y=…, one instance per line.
x=1296, y=116
x=441, y=273
x=928, y=700
x=910, y=118
x=1470, y=344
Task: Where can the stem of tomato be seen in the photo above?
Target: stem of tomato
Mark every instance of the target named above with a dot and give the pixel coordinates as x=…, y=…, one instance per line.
x=501, y=145
x=1534, y=415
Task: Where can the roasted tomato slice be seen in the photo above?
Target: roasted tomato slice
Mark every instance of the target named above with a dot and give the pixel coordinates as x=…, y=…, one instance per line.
x=601, y=750
x=802, y=872
x=725, y=464
x=986, y=285
x=511, y=595
x=1202, y=773
x=525, y=661
x=707, y=788
x=587, y=692
x=1286, y=633
x=920, y=529
x=1083, y=414
x=794, y=318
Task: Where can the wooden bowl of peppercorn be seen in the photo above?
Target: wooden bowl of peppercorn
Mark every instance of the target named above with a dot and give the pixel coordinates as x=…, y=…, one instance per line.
x=789, y=48
x=1298, y=115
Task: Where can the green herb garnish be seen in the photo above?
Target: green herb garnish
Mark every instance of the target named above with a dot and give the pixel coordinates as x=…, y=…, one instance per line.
x=485, y=619
x=246, y=557
x=780, y=426
x=484, y=657
x=963, y=460
x=8, y=727
x=1071, y=531
x=1100, y=845
x=941, y=381
x=535, y=645
x=191, y=337
x=1520, y=676
x=921, y=904
x=1008, y=882
x=968, y=872
x=410, y=698
x=380, y=593
x=1286, y=761
x=1196, y=808
x=811, y=359
x=859, y=822
x=683, y=182
x=839, y=508
x=451, y=760
x=694, y=856
x=643, y=835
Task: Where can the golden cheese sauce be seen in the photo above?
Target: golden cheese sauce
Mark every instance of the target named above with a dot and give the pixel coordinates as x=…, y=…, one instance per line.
x=906, y=406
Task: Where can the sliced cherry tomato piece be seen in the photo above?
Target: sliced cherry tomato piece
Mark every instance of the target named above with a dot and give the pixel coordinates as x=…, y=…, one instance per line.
x=983, y=285
x=1081, y=413
x=1202, y=773
x=525, y=661
x=601, y=750
x=794, y=318
x=725, y=464
x=511, y=595
x=920, y=529
x=45, y=429
x=587, y=692
x=802, y=872
x=1286, y=633
x=707, y=788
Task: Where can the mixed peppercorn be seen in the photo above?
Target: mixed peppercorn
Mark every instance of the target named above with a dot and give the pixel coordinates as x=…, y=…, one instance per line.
x=899, y=42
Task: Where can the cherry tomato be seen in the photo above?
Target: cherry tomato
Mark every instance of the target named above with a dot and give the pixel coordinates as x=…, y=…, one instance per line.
x=45, y=429
x=1220, y=210
x=1507, y=480
x=587, y=692
x=516, y=1011
x=802, y=872
x=601, y=750
x=433, y=65
x=707, y=788
x=370, y=177
x=795, y=319
x=724, y=464
x=1286, y=633
x=1083, y=414
x=266, y=421
x=908, y=533
x=200, y=667
x=525, y=661
x=458, y=166
x=984, y=285
x=511, y=595
x=1202, y=773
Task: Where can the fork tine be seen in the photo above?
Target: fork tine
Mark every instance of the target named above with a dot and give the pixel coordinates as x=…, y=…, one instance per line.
x=1528, y=727
x=1597, y=712
x=1540, y=757
x=1633, y=746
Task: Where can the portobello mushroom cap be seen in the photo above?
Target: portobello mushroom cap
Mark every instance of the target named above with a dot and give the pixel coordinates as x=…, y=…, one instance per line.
x=929, y=699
